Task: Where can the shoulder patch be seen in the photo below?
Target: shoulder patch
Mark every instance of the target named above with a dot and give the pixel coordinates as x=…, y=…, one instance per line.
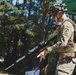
x=66, y=31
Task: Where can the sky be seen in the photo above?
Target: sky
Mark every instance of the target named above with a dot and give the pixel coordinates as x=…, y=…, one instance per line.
x=20, y=1
x=59, y=1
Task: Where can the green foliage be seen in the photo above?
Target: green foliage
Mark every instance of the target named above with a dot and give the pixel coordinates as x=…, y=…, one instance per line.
x=1, y=7
x=29, y=32
x=52, y=34
x=0, y=13
x=20, y=33
x=14, y=7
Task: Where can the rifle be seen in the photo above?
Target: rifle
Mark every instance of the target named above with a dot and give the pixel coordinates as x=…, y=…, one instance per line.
x=34, y=50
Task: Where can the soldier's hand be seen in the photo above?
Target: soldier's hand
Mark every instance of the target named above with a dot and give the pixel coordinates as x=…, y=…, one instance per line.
x=43, y=54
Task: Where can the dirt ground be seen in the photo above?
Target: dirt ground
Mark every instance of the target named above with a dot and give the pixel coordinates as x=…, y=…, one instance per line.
x=4, y=74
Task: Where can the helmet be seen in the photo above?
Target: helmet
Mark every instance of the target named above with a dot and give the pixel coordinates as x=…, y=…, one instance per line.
x=57, y=7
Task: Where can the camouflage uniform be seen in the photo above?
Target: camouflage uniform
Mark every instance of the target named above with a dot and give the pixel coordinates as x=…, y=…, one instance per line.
x=52, y=61
x=65, y=65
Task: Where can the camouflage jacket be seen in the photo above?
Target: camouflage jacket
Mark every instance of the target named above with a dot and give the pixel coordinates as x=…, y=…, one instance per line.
x=65, y=39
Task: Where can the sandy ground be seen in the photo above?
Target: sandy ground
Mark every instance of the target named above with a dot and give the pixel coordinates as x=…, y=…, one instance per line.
x=4, y=74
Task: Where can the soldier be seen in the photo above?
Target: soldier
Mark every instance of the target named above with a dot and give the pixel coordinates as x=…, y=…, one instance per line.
x=65, y=44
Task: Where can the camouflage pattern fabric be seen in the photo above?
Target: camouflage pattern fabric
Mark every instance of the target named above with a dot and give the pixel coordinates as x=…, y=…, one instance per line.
x=52, y=62
x=65, y=66
x=65, y=36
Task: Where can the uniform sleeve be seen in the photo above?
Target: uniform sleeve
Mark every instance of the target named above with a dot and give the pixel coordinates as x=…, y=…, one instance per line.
x=67, y=30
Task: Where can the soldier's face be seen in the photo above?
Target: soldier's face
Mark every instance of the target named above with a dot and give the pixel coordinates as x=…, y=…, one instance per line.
x=57, y=17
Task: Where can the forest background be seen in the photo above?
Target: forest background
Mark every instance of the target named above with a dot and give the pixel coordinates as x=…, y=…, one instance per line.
x=23, y=25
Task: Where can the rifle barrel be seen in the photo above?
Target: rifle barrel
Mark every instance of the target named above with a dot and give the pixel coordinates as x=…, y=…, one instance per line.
x=40, y=46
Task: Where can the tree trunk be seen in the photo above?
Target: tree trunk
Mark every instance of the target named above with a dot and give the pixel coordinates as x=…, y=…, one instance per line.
x=45, y=10
x=4, y=7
